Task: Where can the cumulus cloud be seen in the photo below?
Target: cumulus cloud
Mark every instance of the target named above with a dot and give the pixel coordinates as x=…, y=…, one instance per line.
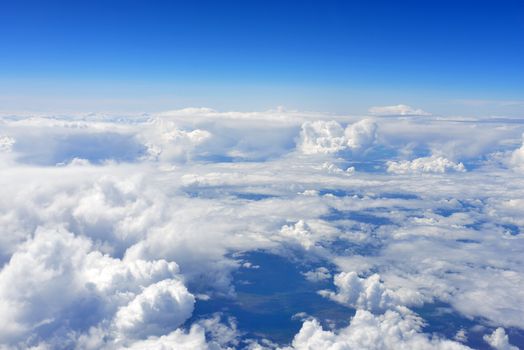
x=499, y=340
x=301, y=232
x=317, y=275
x=166, y=141
x=362, y=293
x=178, y=339
x=157, y=309
x=57, y=279
x=400, y=109
x=307, y=234
x=433, y=164
x=331, y=168
x=323, y=137
x=361, y=134
x=392, y=330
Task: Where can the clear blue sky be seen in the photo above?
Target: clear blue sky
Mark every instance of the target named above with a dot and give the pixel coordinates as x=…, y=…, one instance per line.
x=449, y=57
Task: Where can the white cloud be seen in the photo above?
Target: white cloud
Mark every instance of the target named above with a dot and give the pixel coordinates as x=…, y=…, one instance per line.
x=324, y=137
x=396, y=110
x=362, y=293
x=307, y=234
x=127, y=237
x=499, y=340
x=167, y=142
x=178, y=339
x=6, y=143
x=43, y=268
x=331, y=168
x=159, y=308
x=392, y=330
x=433, y=164
x=361, y=134
x=301, y=232
x=317, y=275
x=461, y=336
x=321, y=137
x=56, y=279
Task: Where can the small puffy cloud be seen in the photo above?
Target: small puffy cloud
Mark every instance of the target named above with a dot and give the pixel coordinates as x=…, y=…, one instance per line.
x=6, y=143
x=333, y=169
x=461, y=336
x=307, y=234
x=300, y=232
x=221, y=333
x=391, y=330
x=403, y=110
x=166, y=141
x=206, y=334
x=323, y=137
x=433, y=164
x=499, y=340
x=79, y=162
x=362, y=293
x=317, y=275
x=178, y=339
x=159, y=308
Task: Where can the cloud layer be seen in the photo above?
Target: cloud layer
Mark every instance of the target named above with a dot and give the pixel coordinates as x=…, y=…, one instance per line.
x=114, y=231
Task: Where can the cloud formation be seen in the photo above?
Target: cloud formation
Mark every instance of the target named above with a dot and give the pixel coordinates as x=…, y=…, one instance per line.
x=113, y=230
x=499, y=340
x=433, y=164
x=362, y=293
x=392, y=330
x=329, y=137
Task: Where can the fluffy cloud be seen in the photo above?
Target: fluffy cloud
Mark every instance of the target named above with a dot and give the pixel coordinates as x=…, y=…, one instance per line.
x=166, y=141
x=401, y=109
x=392, y=330
x=56, y=280
x=362, y=293
x=301, y=232
x=178, y=339
x=433, y=164
x=40, y=282
x=157, y=309
x=322, y=137
x=317, y=275
x=499, y=340
x=308, y=234
x=361, y=134
x=6, y=143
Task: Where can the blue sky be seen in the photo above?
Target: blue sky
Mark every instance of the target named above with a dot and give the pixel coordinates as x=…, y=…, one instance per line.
x=449, y=57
